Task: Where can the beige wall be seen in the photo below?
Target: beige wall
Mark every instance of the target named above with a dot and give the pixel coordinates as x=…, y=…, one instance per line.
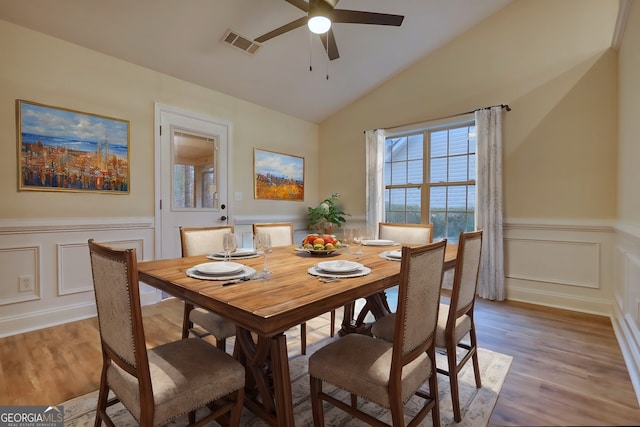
x=550, y=60
x=42, y=69
x=629, y=172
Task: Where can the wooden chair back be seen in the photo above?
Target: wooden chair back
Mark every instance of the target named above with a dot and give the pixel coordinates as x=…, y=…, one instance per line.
x=465, y=279
x=281, y=232
x=203, y=240
x=420, y=234
x=115, y=281
x=418, y=301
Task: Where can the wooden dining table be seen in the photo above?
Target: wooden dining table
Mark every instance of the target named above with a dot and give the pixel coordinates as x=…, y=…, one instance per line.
x=264, y=309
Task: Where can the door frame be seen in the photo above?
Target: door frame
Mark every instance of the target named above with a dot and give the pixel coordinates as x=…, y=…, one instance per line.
x=159, y=109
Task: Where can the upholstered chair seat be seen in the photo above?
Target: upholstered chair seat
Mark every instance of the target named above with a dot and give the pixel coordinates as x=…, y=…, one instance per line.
x=213, y=323
x=182, y=388
x=364, y=368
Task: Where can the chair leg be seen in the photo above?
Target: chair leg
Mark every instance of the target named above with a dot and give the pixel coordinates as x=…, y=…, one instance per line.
x=453, y=383
x=397, y=411
x=186, y=323
x=316, y=403
x=236, y=411
x=433, y=392
x=474, y=358
x=221, y=343
x=303, y=338
x=332, y=327
x=103, y=396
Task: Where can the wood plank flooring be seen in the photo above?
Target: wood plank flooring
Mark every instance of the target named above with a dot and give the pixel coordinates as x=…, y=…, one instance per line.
x=567, y=367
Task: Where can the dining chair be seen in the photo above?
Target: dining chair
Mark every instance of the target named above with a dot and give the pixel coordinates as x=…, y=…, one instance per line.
x=409, y=234
x=163, y=383
x=455, y=320
x=389, y=373
x=282, y=235
x=203, y=241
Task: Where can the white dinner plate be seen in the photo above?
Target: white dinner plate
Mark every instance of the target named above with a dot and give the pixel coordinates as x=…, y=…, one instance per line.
x=395, y=254
x=315, y=271
x=379, y=242
x=339, y=266
x=240, y=252
x=219, y=268
x=245, y=273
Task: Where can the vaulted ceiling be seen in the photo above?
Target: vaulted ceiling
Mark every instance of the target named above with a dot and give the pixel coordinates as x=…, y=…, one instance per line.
x=184, y=39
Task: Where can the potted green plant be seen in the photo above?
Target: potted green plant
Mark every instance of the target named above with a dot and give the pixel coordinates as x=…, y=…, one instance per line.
x=327, y=215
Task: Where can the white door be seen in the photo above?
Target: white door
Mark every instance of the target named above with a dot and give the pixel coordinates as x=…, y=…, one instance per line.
x=192, y=167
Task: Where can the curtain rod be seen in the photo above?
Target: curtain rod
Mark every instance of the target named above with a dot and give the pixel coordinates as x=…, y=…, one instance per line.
x=505, y=106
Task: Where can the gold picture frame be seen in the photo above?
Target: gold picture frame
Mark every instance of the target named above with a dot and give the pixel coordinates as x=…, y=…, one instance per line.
x=60, y=149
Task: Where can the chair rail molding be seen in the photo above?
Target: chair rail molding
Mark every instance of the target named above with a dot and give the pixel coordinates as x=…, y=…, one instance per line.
x=43, y=225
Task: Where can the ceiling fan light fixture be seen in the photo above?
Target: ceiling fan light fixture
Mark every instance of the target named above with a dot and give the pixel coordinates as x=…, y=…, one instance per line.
x=319, y=24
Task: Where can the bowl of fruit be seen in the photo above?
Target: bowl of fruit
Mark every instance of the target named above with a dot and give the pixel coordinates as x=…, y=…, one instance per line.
x=320, y=244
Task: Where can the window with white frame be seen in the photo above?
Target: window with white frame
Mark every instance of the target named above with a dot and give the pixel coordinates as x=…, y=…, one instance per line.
x=430, y=176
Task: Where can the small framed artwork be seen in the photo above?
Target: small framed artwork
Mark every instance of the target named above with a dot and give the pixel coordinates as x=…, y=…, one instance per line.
x=278, y=176
x=66, y=150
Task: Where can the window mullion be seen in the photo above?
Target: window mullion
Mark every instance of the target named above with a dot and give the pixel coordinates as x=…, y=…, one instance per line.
x=426, y=189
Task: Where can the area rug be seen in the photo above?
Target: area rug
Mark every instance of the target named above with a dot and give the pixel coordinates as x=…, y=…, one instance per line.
x=477, y=404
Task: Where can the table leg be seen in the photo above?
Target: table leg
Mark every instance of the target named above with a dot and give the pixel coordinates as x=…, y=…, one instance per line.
x=376, y=304
x=267, y=386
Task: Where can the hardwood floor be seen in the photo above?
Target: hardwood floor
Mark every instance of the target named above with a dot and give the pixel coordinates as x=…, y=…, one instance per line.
x=567, y=367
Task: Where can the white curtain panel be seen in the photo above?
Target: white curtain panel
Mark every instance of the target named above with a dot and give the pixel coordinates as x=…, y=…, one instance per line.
x=374, y=140
x=489, y=208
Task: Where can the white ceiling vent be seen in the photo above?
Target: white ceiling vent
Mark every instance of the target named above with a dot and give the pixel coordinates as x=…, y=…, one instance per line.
x=241, y=42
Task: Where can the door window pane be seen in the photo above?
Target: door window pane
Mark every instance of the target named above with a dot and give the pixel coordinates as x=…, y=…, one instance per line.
x=194, y=178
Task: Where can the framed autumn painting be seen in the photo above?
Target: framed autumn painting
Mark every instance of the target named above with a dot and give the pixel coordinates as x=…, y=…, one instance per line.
x=66, y=150
x=278, y=176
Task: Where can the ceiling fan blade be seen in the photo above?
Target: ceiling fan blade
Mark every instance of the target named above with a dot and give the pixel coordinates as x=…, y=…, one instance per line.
x=332, y=51
x=285, y=28
x=300, y=4
x=361, y=17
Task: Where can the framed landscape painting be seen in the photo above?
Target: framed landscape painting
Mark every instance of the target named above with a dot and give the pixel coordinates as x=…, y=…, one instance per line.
x=66, y=150
x=278, y=176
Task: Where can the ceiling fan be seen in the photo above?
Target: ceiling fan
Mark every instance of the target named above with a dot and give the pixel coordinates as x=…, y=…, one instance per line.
x=325, y=12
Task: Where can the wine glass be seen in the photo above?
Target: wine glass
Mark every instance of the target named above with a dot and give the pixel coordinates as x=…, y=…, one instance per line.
x=263, y=244
x=229, y=244
x=356, y=238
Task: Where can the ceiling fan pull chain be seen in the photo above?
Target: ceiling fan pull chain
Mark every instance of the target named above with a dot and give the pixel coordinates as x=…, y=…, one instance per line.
x=327, y=48
x=310, y=50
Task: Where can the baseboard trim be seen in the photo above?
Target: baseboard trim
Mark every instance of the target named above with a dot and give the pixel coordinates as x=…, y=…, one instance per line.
x=628, y=340
x=563, y=301
x=33, y=321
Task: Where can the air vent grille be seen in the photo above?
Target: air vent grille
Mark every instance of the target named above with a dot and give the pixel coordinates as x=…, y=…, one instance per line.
x=243, y=43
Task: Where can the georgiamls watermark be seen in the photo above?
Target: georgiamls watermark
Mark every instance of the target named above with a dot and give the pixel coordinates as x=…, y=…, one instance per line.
x=31, y=416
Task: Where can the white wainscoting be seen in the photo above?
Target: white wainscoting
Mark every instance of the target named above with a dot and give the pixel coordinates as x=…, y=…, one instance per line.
x=560, y=265
x=626, y=316
x=54, y=253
